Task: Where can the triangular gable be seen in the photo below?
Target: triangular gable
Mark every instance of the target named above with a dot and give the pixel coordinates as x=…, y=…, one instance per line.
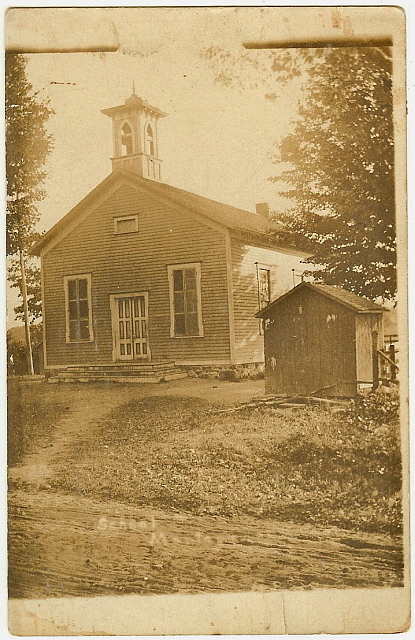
x=97, y=196
x=330, y=292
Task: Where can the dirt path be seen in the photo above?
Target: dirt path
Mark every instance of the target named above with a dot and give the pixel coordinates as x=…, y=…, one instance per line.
x=63, y=545
x=37, y=468
x=92, y=403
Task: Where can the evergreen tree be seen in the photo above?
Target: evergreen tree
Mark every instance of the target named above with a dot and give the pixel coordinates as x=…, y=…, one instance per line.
x=341, y=171
x=340, y=157
x=27, y=147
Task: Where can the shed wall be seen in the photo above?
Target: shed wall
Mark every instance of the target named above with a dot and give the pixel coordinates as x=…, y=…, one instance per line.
x=136, y=262
x=310, y=346
x=365, y=325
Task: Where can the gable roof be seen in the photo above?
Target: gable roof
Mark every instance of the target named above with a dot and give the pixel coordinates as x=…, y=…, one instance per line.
x=346, y=298
x=229, y=217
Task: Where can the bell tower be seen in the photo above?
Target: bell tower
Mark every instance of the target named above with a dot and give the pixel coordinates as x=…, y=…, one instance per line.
x=134, y=132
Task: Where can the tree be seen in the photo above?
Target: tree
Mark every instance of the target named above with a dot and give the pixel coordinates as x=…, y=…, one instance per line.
x=17, y=360
x=33, y=288
x=337, y=165
x=27, y=147
x=342, y=171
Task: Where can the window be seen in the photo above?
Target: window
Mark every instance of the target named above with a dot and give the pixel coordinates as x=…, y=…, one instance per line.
x=185, y=300
x=264, y=288
x=126, y=224
x=150, y=140
x=78, y=308
x=126, y=140
x=264, y=291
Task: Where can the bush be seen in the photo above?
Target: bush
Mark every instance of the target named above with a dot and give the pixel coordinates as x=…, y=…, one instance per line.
x=375, y=409
x=17, y=352
x=351, y=471
x=16, y=357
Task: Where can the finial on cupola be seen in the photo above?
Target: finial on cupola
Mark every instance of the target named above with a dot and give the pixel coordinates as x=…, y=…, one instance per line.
x=134, y=89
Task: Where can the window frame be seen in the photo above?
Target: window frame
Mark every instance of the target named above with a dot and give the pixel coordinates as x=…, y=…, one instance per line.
x=150, y=140
x=126, y=135
x=170, y=271
x=88, y=278
x=267, y=270
x=120, y=219
x=260, y=266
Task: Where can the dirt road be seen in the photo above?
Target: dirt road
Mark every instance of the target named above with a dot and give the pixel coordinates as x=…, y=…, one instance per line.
x=65, y=545
x=61, y=545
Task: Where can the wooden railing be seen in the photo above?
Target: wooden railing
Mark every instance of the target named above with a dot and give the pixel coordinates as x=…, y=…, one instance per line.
x=385, y=366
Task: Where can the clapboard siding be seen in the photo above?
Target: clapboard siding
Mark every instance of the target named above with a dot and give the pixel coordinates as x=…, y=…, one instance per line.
x=131, y=263
x=249, y=342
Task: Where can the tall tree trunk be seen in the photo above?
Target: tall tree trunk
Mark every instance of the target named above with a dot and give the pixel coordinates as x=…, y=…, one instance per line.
x=26, y=313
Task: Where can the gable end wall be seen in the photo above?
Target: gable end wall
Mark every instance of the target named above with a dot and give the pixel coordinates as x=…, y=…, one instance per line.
x=132, y=263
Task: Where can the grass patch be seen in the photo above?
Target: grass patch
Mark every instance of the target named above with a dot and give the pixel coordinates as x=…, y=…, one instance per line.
x=32, y=413
x=306, y=465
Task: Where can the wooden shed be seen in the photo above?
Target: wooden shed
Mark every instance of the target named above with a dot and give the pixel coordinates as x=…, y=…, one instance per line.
x=321, y=339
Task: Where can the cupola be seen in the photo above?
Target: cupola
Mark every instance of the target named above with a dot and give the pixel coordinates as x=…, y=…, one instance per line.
x=135, y=140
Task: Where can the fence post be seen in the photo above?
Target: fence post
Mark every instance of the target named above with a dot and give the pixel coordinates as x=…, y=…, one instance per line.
x=392, y=355
x=375, y=360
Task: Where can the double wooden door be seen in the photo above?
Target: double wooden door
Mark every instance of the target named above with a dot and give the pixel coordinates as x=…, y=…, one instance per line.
x=130, y=322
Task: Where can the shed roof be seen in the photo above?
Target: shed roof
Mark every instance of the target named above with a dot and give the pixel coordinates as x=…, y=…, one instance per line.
x=226, y=215
x=356, y=303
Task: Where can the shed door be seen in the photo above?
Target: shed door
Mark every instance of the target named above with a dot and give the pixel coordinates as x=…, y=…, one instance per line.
x=130, y=319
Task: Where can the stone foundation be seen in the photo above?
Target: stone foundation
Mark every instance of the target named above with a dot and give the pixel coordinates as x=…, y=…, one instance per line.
x=232, y=372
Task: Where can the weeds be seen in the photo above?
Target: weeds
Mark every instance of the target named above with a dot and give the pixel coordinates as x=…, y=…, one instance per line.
x=31, y=418
x=305, y=465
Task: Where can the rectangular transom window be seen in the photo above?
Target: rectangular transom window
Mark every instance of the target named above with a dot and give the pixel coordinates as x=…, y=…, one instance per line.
x=126, y=224
x=78, y=308
x=185, y=300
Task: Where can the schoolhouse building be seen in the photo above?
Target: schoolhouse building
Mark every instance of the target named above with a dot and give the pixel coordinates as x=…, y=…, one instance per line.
x=141, y=278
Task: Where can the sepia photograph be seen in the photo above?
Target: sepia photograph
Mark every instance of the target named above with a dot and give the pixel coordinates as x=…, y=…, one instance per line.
x=207, y=343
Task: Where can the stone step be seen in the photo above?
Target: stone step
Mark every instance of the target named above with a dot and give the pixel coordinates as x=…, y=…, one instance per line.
x=138, y=372
x=73, y=377
x=98, y=378
x=122, y=367
x=114, y=372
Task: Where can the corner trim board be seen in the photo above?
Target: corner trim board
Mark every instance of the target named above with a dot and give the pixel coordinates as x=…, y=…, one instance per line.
x=231, y=309
x=42, y=288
